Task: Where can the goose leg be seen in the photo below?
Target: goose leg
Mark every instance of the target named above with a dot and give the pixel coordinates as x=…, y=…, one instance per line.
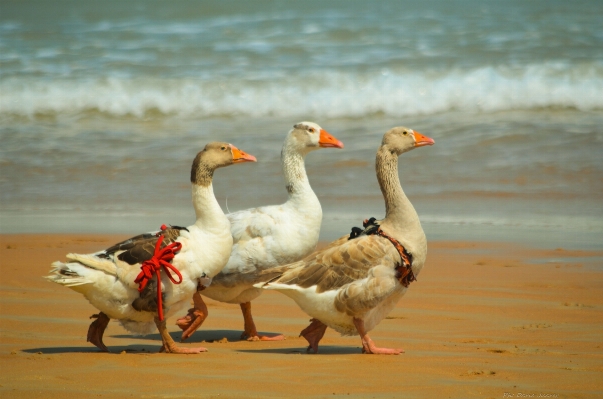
x=169, y=346
x=313, y=334
x=195, y=317
x=368, y=346
x=251, y=333
x=97, y=329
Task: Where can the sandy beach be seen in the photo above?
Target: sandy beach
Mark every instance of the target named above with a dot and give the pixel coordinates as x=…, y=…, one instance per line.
x=104, y=106
x=484, y=320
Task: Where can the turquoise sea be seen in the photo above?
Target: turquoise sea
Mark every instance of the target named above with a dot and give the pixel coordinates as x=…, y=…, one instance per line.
x=103, y=106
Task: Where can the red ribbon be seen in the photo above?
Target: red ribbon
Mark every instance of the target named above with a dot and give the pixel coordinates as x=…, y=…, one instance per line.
x=161, y=258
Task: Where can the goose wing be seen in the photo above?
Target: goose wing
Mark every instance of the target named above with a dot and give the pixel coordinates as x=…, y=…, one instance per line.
x=140, y=248
x=338, y=265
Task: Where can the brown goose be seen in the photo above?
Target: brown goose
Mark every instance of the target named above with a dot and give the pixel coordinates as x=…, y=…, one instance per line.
x=354, y=283
x=107, y=278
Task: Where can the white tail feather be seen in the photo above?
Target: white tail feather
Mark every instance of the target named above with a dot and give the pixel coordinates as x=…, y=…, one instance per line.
x=62, y=274
x=93, y=262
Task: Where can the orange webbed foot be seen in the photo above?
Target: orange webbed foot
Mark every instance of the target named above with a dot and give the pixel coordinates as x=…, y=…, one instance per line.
x=252, y=338
x=168, y=344
x=251, y=333
x=195, y=317
x=368, y=346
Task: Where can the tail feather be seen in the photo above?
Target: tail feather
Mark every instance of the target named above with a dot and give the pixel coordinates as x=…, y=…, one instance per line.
x=276, y=286
x=93, y=262
x=268, y=278
x=265, y=277
x=62, y=274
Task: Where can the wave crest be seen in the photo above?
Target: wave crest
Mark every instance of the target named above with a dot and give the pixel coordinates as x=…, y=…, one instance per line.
x=329, y=94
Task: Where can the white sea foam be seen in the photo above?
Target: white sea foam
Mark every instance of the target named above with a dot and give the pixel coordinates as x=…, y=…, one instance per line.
x=320, y=93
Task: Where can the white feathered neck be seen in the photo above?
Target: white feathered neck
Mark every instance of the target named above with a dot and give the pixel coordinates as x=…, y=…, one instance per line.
x=298, y=186
x=207, y=210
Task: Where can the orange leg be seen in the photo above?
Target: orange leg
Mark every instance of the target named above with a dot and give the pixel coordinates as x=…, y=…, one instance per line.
x=169, y=346
x=97, y=329
x=313, y=334
x=368, y=346
x=195, y=317
x=251, y=333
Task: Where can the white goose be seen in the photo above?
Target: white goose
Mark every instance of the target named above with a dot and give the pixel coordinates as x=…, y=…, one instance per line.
x=107, y=278
x=268, y=236
x=352, y=284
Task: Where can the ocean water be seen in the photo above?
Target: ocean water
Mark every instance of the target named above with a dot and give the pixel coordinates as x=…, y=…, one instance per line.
x=103, y=106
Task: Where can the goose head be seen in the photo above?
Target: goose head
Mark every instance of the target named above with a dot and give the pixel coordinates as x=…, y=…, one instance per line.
x=308, y=136
x=401, y=139
x=216, y=155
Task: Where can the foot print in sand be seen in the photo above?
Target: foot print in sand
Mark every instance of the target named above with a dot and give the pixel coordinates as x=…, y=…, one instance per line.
x=479, y=372
x=576, y=305
x=534, y=326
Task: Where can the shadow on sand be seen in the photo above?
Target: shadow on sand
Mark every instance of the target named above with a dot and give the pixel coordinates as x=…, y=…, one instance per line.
x=153, y=344
x=197, y=337
x=151, y=347
x=113, y=349
x=322, y=350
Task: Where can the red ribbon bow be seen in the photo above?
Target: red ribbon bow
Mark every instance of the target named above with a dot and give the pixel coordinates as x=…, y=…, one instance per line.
x=161, y=258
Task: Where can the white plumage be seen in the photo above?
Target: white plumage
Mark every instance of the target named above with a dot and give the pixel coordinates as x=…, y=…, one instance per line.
x=270, y=236
x=106, y=278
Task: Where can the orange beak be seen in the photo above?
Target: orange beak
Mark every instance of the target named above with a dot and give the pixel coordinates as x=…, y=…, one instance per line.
x=240, y=156
x=326, y=140
x=421, y=140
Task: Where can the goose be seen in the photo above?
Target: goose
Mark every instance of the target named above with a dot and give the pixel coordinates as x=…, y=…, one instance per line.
x=268, y=236
x=354, y=282
x=118, y=281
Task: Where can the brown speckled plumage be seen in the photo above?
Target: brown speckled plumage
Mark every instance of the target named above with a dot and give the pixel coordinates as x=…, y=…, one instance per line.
x=352, y=284
x=341, y=263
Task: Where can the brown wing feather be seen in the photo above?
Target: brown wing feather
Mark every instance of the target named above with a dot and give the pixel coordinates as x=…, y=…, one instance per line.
x=141, y=247
x=147, y=300
x=338, y=265
x=341, y=240
x=361, y=296
x=138, y=249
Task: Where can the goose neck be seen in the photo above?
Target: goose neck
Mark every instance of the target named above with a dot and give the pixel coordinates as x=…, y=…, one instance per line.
x=399, y=212
x=294, y=170
x=207, y=209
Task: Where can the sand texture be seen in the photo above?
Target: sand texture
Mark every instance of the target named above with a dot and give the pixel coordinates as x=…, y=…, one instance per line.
x=484, y=320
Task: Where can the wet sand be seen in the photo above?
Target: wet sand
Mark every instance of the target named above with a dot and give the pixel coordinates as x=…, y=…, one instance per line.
x=484, y=320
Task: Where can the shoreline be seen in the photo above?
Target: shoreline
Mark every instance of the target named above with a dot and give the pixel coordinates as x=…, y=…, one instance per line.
x=482, y=320
x=336, y=223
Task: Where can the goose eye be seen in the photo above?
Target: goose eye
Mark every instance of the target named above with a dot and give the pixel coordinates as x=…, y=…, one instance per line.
x=405, y=133
x=223, y=148
x=311, y=130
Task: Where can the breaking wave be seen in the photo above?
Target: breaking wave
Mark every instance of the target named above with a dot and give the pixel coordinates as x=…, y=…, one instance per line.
x=320, y=93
